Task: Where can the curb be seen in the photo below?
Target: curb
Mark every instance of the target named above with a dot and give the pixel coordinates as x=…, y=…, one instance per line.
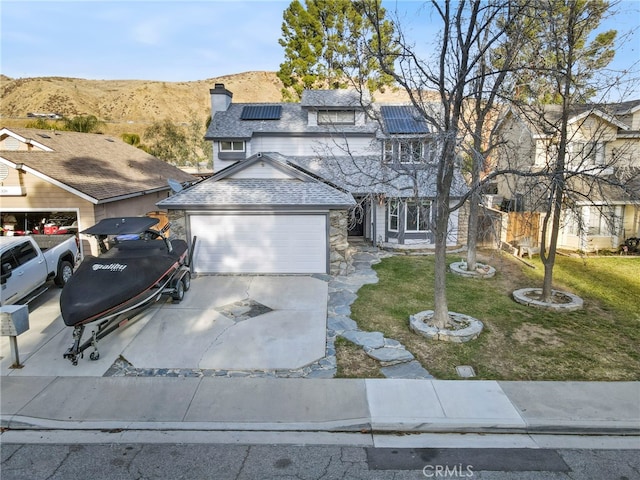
x=22, y=423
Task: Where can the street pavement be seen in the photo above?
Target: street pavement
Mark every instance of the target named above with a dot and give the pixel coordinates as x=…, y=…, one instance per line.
x=171, y=461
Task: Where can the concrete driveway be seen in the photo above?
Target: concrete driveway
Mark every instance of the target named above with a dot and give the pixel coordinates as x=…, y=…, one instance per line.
x=224, y=323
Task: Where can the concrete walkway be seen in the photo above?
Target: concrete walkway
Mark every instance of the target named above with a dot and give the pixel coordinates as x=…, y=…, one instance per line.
x=318, y=405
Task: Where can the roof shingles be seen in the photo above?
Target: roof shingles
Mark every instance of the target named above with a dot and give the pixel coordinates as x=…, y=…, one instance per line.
x=96, y=165
x=257, y=193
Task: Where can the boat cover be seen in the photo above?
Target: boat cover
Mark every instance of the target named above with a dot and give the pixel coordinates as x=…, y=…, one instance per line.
x=123, y=276
x=121, y=226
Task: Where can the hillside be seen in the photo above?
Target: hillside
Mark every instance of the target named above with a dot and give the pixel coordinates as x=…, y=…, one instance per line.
x=130, y=105
x=128, y=100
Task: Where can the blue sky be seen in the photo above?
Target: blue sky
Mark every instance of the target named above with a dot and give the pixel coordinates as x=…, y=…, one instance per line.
x=181, y=40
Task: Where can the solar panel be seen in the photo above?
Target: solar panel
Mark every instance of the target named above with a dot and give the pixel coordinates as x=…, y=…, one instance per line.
x=403, y=119
x=261, y=112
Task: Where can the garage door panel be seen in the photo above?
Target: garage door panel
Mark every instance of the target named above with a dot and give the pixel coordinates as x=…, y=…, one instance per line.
x=260, y=243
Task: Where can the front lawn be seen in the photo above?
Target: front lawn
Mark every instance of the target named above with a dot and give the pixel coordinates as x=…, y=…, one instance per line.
x=600, y=342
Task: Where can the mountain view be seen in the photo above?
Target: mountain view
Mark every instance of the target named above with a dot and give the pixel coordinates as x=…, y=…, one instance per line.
x=131, y=105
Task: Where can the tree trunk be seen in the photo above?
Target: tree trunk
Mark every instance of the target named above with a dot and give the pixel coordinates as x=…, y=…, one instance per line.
x=441, y=309
x=472, y=233
x=550, y=257
x=445, y=177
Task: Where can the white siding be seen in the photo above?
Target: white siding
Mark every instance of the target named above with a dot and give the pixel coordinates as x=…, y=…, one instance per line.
x=452, y=229
x=308, y=146
x=381, y=223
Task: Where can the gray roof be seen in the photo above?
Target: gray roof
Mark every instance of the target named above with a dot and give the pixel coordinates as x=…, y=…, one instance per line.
x=225, y=192
x=357, y=175
x=547, y=119
x=336, y=98
x=364, y=175
x=99, y=166
x=293, y=120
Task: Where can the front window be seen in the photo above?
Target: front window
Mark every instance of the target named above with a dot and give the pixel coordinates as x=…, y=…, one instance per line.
x=388, y=151
x=342, y=117
x=393, y=215
x=586, y=153
x=601, y=221
x=234, y=146
x=417, y=216
x=595, y=221
x=411, y=151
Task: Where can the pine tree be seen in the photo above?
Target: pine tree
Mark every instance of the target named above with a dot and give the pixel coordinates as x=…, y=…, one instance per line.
x=327, y=42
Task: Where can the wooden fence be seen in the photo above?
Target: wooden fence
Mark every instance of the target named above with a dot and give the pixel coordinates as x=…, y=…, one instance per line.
x=521, y=225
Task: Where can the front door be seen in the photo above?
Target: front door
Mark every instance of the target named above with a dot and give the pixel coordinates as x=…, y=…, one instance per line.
x=357, y=216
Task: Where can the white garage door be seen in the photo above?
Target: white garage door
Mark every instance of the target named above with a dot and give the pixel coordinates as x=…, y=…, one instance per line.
x=238, y=243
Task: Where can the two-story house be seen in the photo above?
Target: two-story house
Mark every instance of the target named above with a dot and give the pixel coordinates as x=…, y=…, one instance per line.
x=602, y=206
x=294, y=181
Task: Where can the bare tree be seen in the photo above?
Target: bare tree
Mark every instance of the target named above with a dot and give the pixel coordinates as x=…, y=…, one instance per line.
x=599, y=173
x=460, y=70
x=569, y=60
x=497, y=54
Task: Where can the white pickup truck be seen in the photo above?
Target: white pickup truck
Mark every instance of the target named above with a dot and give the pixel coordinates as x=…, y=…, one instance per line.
x=29, y=262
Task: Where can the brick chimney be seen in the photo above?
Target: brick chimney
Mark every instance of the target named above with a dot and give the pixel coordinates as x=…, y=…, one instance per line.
x=220, y=98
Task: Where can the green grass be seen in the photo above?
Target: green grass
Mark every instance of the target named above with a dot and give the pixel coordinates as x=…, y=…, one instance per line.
x=599, y=342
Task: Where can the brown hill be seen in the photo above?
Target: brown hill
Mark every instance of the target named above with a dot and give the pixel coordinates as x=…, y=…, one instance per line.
x=131, y=105
x=128, y=100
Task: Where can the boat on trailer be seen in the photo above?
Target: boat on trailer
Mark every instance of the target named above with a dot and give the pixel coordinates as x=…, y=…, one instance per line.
x=136, y=266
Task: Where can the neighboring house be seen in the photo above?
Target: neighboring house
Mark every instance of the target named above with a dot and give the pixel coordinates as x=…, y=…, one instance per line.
x=69, y=179
x=603, y=153
x=296, y=180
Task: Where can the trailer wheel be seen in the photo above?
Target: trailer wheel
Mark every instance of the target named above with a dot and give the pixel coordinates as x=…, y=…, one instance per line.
x=65, y=270
x=178, y=293
x=187, y=281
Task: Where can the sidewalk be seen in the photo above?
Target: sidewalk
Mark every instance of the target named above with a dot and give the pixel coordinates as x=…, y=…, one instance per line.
x=319, y=405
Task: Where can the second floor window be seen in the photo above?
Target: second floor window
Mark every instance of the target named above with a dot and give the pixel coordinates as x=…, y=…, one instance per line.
x=234, y=146
x=411, y=151
x=586, y=153
x=341, y=117
x=407, y=151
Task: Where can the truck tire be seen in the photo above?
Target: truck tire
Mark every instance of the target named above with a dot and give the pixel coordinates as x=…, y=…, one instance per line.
x=65, y=270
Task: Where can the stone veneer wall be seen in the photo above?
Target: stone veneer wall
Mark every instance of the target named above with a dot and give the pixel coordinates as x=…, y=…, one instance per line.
x=463, y=224
x=178, y=221
x=339, y=251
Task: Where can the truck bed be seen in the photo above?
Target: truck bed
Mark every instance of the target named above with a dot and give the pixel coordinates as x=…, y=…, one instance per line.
x=46, y=242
